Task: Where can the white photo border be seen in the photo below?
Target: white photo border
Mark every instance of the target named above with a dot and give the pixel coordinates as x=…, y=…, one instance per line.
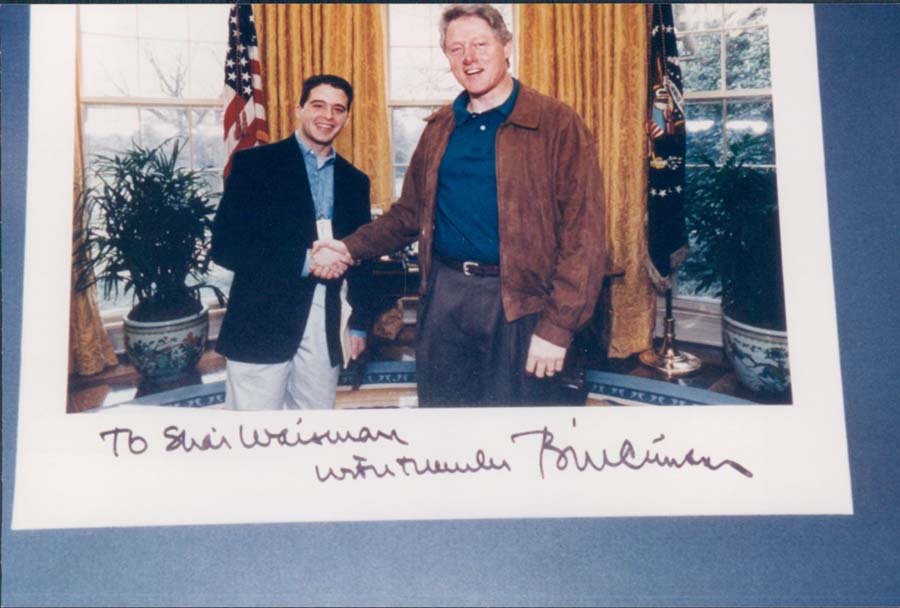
x=67, y=475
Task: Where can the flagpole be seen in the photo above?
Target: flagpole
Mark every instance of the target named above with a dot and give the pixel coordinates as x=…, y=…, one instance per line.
x=667, y=358
x=667, y=245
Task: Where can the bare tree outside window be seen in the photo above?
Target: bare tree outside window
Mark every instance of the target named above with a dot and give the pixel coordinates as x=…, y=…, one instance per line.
x=150, y=73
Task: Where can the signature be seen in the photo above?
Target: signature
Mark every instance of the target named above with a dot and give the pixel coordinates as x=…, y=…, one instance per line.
x=627, y=456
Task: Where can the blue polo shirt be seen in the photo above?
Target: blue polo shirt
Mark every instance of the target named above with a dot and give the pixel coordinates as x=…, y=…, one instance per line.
x=466, y=223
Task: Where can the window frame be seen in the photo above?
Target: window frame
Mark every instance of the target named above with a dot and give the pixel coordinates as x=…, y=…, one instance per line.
x=699, y=318
x=112, y=318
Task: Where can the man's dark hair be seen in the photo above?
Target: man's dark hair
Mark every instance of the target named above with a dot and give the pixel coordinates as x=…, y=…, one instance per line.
x=330, y=79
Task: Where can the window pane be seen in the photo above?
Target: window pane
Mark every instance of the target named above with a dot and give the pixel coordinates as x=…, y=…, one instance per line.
x=753, y=118
x=163, y=21
x=399, y=173
x=744, y=14
x=697, y=276
x=214, y=182
x=691, y=17
x=703, y=122
x=700, y=58
x=209, y=22
x=118, y=19
x=109, y=66
x=207, y=70
x=114, y=301
x=163, y=68
x=108, y=130
x=161, y=124
x=407, y=125
x=411, y=26
x=421, y=73
x=409, y=69
x=208, y=149
x=747, y=59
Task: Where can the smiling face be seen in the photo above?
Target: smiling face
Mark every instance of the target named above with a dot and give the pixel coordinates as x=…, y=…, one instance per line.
x=478, y=59
x=321, y=118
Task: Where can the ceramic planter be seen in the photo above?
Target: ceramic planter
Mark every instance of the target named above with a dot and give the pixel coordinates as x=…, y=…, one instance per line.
x=165, y=350
x=759, y=356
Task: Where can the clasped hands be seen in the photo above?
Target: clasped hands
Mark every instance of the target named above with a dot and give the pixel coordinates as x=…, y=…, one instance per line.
x=329, y=259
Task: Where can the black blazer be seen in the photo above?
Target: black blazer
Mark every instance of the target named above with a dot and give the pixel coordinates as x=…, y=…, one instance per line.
x=264, y=225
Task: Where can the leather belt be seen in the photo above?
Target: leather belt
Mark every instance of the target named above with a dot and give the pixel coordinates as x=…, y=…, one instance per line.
x=471, y=269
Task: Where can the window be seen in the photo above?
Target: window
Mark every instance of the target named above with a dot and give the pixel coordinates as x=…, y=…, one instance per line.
x=148, y=73
x=419, y=77
x=724, y=56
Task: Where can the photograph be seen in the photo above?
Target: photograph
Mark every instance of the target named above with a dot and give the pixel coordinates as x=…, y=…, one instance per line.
x=673, y=295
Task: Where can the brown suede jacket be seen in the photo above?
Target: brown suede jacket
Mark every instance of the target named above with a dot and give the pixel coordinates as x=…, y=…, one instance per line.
x=551, y=210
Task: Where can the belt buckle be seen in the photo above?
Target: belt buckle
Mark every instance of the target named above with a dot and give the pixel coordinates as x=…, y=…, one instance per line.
x=467, y=268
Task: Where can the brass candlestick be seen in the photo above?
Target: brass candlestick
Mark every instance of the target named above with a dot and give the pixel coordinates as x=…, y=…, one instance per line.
x=667, y=358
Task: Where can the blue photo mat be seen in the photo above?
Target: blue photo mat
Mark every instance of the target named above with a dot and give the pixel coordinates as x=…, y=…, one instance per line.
x=836, y=560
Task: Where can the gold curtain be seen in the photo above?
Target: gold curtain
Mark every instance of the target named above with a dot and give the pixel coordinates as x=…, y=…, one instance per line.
x=299, y=41
x=90, y=349
x=594, y=57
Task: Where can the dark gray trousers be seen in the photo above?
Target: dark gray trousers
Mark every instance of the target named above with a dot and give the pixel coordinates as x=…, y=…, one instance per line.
x=467, y=354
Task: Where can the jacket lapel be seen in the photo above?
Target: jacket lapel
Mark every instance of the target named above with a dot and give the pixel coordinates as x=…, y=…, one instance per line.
x=343, y=203
x=296, y=184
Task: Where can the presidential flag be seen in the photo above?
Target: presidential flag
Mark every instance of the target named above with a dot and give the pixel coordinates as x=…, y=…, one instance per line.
x=665, y=128
x=245, y=103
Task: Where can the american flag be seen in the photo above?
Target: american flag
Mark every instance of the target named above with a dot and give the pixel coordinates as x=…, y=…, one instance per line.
x=245, y=111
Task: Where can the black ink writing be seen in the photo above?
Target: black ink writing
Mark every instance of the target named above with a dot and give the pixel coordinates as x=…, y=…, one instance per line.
x=360, y=471
x=565, y=456
x=179, y=440
x=285, y=437
x=136, y=444
x=411, y=466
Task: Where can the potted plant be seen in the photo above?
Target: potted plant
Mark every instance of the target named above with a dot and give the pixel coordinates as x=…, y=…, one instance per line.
x=147, y=228
x=735, y=237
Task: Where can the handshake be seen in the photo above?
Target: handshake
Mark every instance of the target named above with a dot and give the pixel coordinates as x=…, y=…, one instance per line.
x=329, y=259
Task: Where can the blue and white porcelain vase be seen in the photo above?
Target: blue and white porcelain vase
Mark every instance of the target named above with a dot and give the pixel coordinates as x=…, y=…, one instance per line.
x=759, y=356
x=165, y=350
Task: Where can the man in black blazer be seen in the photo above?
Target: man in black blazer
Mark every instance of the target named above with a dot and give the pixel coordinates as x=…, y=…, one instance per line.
x=281, y=333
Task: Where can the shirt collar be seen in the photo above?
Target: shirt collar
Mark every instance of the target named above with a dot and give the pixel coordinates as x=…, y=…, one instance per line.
x=309, y=152
x=462, y=114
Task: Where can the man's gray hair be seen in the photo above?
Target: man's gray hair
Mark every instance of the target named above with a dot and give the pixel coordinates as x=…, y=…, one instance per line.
x=484, y=11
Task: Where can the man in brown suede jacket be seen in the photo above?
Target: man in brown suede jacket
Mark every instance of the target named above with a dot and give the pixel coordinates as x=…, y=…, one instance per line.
x=505, y=196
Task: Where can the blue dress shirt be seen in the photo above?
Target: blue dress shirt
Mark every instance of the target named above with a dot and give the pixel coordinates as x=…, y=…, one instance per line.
x=320, y=171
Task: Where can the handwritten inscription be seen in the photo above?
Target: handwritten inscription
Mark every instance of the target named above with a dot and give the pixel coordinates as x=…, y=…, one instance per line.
x=180, y=440
x=551, y=453
x=292, y=437
x=564, y=457
x=136, y=444
x=409, y=467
